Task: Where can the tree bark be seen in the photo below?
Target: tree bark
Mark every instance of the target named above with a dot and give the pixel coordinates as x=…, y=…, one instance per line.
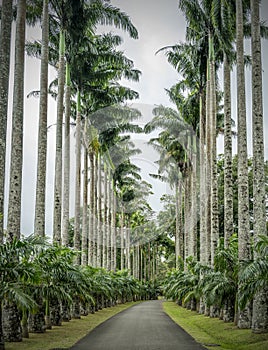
x=193, y=179
x=58, y=156
x=14, y=203
x=11, y=323
x=84, y=244
x=260, y=302
x=95, y=222
x=91, y=209
x=105, y=220
x=228, y=182
x=99, y=208
x=122, y=240
x=208, y=161
x=66, y=172
x=5, y=38
x=77, y=215
x=213, y=170
x=177, y=235
x=202, y=174
x=40, y=201
x=244, y=317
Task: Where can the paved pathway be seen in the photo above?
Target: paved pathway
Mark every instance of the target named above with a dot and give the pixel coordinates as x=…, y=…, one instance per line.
x=144, y=326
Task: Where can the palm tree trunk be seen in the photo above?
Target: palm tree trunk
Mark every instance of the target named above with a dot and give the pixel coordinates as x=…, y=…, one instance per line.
x=177, y=235
x=113, y=231
x=214, y=310
x=187, y=205
x=66, y=175
x=228, y=307
x=181, y=222
x=77, y=215
x=128, y=245
x=2, y=341
x=149, y=261
x=109, y=216
x=84, y=243
x=39, y=221
x=91, y=209
x=260, y=302
x=244, y=317
x=58, y=157
x=122, y=264
x=208, y=161
x=95, y=230
x=99, y=207
x=11, y=318
x=105, y=220
x=214, y=181
x=193, y=237
x=36, y=321
x=11, y=323
x=202, y=178
x=14, y=203
x=141, y=263
x=5, y=38
x=228, y=183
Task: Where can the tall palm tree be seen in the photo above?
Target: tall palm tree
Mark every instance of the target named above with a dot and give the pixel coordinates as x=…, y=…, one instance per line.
x=84, y=236
x=190, y=61
x=78, y=144
x=65, y=13
x=66, y=171
x=14, y=207
x=244, y=319
x=176, y=157
x=228, y=187
x=58, y=155
x=260, y=312
x=39, y=222
x=5, y=38
x=99, y=215
x=228, y=27
x=212, y=120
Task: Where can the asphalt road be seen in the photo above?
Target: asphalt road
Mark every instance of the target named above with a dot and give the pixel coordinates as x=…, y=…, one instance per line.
x=144, y=326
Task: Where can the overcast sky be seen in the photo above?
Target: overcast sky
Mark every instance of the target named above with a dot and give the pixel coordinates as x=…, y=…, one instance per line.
x=159, y=24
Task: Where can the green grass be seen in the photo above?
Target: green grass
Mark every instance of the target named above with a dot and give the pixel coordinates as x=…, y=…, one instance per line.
x=67, y=334
x=207, y=330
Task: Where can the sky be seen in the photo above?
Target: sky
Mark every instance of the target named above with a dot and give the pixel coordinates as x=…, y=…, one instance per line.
x=159, y=24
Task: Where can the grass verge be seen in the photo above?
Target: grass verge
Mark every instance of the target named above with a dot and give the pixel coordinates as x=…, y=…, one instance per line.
x=220, y=335
x=69, y=333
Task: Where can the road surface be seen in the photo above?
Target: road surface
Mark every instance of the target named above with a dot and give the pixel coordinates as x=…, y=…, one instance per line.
x=144, y=326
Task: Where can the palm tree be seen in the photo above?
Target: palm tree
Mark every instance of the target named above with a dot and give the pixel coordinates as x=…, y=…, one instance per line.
x=99, y=215
x=228, y=24
x=13, y=331
x=66, y=172
x=190, y=61
x=39, y=226
x=259, y=313
x=177, y=155
x=6, y=20
x=228, y=187
x=13, y=226
x=58, y=155
x=84, y=238
x=77, y=236
x=244, y=319
x=65, y=13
